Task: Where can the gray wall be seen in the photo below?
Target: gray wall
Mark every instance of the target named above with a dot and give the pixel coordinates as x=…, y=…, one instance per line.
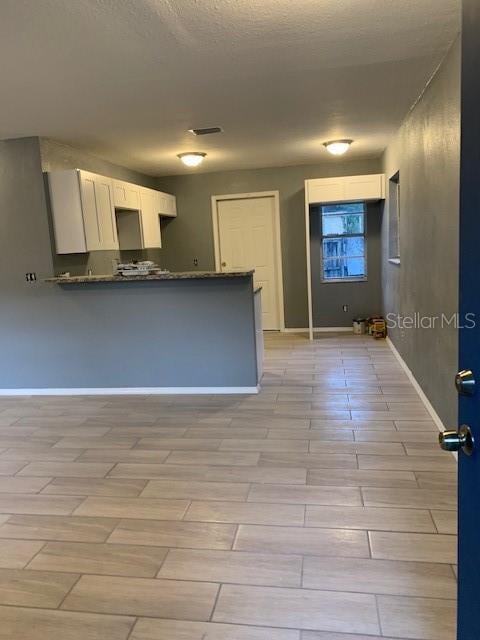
x=182, y=333
x=190, y=235
x=427, y=151
x=363, y=298
x=55, y=155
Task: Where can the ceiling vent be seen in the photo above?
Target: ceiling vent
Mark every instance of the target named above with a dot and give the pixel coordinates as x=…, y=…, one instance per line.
x=206, y=131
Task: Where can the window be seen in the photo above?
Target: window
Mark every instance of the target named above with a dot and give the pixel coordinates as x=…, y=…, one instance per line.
x=343, y=242
x=394, y=218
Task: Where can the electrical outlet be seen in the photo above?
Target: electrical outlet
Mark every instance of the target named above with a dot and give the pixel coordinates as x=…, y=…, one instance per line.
x=345, y=308
x=31, y=277
x=195, y=262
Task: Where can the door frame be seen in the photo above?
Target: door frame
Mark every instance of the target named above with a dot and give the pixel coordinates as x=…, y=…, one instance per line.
x=277, y=239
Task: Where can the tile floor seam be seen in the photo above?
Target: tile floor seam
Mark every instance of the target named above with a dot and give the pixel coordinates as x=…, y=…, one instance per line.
x=234, y=537
x=27, y=566
x=215, y=602
x=134, y=624
x=21, y=469
x=59, y=606
x=379, y=617
x=75, y=611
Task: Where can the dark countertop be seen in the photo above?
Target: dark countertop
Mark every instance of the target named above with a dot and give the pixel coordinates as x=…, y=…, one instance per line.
x=180, y=275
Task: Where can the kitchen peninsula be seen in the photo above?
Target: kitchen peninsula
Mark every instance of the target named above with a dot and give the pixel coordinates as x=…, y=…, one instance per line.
x=194, y=332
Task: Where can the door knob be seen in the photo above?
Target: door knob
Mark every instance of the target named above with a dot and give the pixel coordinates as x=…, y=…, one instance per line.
x=465, y=382
x=456, y=440
x=224, y=264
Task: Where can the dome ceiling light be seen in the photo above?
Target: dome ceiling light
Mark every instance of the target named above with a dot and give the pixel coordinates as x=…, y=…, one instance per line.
x=192, y=158
x=337, y=147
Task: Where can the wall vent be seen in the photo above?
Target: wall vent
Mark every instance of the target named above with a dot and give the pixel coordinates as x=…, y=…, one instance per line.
x=206, y=131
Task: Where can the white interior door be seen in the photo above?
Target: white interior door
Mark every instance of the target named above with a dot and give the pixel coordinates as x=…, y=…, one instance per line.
x=247, y=240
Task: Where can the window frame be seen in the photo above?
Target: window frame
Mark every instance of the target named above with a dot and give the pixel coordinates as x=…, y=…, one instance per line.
x=363, y=235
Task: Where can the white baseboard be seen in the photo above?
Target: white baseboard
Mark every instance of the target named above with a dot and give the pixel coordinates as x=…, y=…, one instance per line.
x=426, y=402
x=131, y=391
x=319, y=330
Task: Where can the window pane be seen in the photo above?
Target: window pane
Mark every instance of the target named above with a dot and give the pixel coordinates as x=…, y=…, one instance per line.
x=343, y=207
x=343, y=223
x=343, y=241
x=344, y=218
x=338, y=268
x=343, y=247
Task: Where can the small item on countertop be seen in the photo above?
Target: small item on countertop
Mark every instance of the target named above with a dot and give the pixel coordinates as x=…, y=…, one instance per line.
x=138, y=268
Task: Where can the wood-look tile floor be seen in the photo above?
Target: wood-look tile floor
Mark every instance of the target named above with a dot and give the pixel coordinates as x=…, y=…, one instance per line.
x=319, y=509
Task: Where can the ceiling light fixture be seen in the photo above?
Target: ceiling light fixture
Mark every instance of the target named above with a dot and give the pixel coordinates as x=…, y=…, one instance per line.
x=337, y=147
x=192, y=158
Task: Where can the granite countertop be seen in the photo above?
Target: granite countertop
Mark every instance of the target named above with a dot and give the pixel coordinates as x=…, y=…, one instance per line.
x=179, y=275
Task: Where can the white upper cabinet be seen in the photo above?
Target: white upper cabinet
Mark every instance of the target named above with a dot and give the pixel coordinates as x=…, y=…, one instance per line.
x=371, y=187
x=150, y=218
x=67, y=211
x=83, y=211
x=98, y=212
x=95, y=213
x=345, y=189
x=126, y=195
x=325, y=190
x=167, y=205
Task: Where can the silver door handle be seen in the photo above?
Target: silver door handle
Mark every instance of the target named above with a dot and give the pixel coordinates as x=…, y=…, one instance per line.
x=456, y=440
x=465, y=382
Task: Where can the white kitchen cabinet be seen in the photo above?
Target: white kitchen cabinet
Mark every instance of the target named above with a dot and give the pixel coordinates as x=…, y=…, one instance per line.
x=83, y=212
x=150, y=218
x=370, y=187
x=95, y=213
x=98, y=212
x=140, y=229
x=126, y=195
x=167, y=205
x=366, y=188
x=325, y=190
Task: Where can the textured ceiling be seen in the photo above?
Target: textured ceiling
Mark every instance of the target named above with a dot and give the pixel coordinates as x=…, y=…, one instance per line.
x=126, y=79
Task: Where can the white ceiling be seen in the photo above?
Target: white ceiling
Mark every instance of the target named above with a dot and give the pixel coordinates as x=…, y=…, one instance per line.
x=126, y=79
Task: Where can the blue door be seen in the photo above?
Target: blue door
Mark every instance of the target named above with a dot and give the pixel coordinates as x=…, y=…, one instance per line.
x=469, y=338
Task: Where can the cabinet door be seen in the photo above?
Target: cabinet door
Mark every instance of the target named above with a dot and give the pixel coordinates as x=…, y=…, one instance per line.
x=167, y=204
x=345, y=189
x=171, y=205
x=89, y=208
x=98, y=212
x=126, y=195
x=150, y=219
x=326, y=190
x=370, y=187
x=66, y=206
x=106, y=213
